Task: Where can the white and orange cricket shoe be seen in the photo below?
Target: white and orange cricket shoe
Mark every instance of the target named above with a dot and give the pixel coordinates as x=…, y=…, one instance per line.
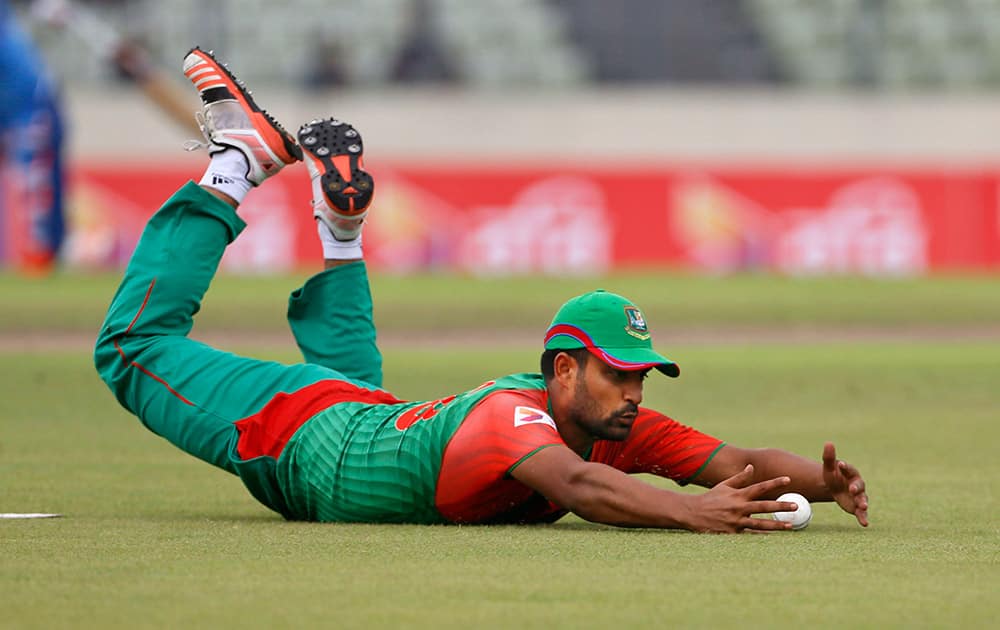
x=342, y=191
x=231, y=119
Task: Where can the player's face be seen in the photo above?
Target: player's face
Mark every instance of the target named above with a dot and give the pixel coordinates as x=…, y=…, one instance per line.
x=606, y=400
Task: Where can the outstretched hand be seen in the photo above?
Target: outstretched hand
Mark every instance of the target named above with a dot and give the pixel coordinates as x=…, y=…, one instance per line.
x=845, y=484
x=730, y=505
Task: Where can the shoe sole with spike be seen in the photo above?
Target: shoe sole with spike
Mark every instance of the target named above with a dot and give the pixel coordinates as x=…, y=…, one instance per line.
x=335, y=154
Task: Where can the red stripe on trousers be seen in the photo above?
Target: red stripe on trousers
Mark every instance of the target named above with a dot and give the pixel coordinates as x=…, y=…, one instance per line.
x=267, y=432
x=139, y=367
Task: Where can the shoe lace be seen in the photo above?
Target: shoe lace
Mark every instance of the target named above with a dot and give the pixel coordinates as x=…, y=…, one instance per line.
x=194, y=145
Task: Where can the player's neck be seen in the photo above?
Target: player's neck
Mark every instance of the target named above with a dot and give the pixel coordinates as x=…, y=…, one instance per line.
x=575, y=437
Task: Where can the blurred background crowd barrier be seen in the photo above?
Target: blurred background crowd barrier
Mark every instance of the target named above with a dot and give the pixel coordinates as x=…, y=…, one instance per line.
x=571, y=136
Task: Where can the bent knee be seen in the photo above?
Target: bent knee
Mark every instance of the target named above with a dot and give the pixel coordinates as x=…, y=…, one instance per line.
x=107, y=358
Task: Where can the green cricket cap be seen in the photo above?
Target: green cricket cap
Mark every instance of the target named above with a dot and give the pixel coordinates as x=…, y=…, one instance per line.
x=612, y=328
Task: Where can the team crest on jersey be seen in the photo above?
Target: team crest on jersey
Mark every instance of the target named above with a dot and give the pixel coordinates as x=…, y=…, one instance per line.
x=636, y=323
x=530, y=415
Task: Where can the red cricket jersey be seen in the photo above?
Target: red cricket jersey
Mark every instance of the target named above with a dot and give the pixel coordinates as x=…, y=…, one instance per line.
x=507, y=427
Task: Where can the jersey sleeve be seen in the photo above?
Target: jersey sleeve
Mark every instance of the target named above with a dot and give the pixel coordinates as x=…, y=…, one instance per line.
x=502, y=431
x=660, y=446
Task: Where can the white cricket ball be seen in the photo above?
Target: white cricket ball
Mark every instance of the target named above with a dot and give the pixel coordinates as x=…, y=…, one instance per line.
x=800, y=517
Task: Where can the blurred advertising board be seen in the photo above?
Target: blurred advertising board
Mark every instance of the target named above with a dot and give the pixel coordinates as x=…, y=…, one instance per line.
x=503, y=219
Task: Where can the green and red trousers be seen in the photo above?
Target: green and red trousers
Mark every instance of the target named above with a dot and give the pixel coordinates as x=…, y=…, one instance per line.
x=196, y=396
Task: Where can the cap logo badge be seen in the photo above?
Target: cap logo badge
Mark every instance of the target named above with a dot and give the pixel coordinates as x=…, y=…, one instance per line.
x=636, y=323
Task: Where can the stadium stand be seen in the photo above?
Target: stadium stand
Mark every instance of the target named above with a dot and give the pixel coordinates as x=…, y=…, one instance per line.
x=895, y=44
x=886, y=44
x=703, y=41
x=493, y=42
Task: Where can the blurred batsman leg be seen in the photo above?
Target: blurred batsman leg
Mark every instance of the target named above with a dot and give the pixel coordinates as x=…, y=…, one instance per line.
x=31, y=141
x=33, y=180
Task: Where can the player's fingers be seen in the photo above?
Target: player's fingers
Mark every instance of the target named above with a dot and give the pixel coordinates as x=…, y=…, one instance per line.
x=740, y=479
x=847, y=469
x=829, y=456
x=861, y=508
x=767, y=507
x=764, y=487
x=862, y=516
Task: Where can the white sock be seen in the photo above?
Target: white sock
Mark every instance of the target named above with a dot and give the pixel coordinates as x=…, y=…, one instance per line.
x=227, y=173
x=337, y=250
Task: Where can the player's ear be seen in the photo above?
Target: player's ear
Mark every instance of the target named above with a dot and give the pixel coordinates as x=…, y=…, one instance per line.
x=565, y=368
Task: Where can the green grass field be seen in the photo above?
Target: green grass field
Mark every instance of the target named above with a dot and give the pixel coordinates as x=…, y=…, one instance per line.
x=154, y=538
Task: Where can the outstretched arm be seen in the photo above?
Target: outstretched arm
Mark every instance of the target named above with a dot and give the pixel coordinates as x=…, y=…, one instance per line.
x=603, y=494
x=831, y=480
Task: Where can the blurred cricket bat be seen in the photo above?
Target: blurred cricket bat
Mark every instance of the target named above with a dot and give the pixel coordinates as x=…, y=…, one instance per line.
x=105, y=42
